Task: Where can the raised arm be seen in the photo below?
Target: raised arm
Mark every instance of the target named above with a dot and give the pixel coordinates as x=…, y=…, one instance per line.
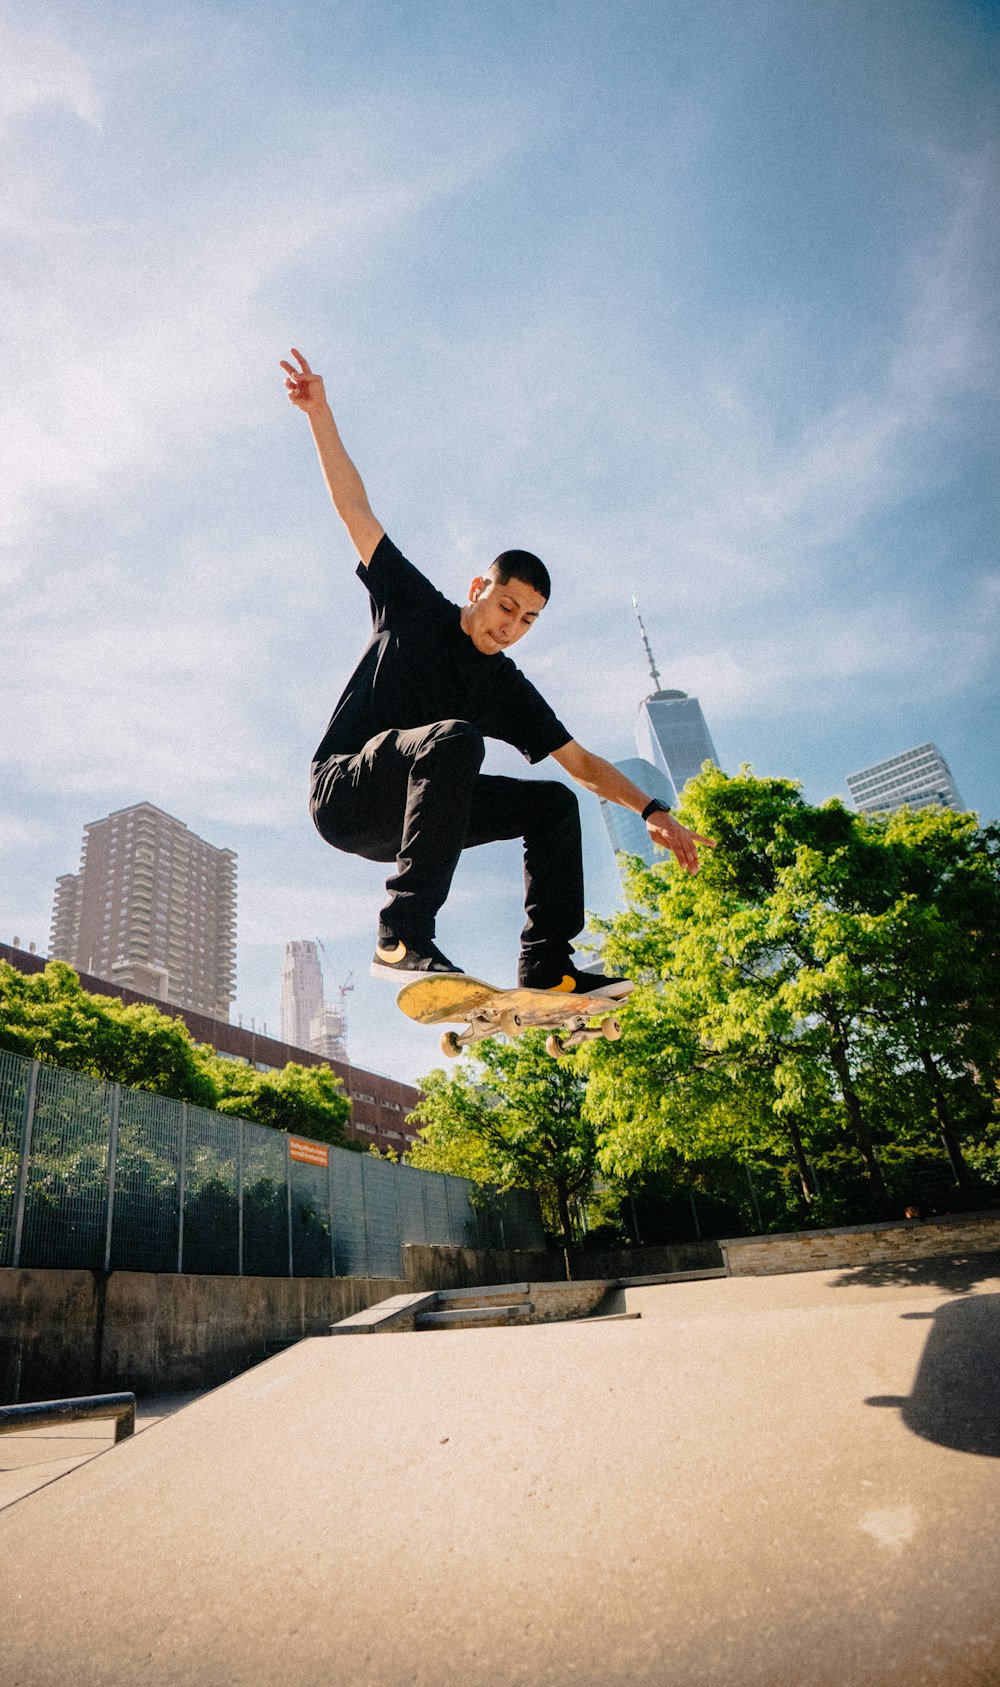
x=605, y=780
x=307, y=393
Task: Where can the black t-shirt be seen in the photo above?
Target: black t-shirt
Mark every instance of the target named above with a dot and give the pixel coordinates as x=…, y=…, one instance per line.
x=420, y=667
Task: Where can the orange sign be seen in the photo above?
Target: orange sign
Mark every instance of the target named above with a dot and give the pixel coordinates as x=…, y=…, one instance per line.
x=313, y=1153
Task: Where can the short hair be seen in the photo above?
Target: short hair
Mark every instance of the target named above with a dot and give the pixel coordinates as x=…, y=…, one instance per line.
x=524, y=566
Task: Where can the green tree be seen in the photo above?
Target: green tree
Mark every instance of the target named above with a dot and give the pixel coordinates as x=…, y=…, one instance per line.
x=306, y=1100
x=932, y=947
x=513, y=1119
x=809, y=968
x=48, y=1016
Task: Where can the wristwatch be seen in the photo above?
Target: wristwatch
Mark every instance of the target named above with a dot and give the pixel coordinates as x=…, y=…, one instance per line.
x=652, y=806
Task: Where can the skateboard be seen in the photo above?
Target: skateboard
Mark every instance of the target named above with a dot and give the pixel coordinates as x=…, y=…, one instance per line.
x=488, y=1012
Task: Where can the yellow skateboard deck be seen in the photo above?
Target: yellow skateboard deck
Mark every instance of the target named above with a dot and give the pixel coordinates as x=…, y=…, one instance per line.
x=486, y=1011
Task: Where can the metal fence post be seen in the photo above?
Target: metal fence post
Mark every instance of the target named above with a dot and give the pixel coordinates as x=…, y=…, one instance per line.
x=21, y=1189
x=182, y=1185
x=116, y=1103
x=364, y=1220
x=288, y=1189
x=329, y=1210
x=239, y=1187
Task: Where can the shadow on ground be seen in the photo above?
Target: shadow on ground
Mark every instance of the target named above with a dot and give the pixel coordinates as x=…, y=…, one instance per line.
x=954, y=1273
x=956, y=1393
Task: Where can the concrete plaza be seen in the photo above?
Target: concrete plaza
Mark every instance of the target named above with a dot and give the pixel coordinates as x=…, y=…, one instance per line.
x=789, y=1479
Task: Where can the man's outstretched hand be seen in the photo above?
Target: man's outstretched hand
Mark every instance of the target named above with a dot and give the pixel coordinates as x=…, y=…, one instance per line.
x=670, y=834
x=305, y=390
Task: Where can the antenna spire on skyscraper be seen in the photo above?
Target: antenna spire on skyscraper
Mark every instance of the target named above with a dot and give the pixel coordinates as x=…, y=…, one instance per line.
x=649, y=653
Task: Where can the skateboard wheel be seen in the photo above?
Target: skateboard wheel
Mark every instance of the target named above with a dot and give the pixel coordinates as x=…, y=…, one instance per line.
x=510, y=1023
x=556, y=1047
x=611, y=1028
x=450, y=1044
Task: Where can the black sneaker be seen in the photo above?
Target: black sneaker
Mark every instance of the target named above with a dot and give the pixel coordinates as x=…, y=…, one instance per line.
x=395, y=958
x=570, y=981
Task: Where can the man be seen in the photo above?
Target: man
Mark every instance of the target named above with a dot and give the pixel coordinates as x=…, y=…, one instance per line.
x=396, y=777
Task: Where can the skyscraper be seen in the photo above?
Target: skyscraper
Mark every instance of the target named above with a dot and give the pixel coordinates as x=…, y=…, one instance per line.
x=627, y=831
x=153, y=907
x=307, y=1021
x=918, y=778
x=301, y=992
x=673, y=741
x=670, y=731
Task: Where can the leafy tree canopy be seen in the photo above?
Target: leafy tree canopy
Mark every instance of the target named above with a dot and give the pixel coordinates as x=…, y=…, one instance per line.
x=48, y=1016
x=818, y=959
x=511, y=1117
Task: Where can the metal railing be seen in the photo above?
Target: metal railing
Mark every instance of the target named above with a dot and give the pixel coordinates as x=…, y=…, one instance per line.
x=97, y=1175
x=40, y=1414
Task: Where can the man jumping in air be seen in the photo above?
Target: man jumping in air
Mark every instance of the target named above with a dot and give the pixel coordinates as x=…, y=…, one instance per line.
x=396, y=777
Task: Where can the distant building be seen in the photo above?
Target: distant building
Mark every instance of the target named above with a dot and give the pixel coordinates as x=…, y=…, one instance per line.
x=306, y=1020
x=627, y=832
x=328, y=1033
x=670, y=732
x=301, y=992
x=918, y=778
x=152, y=908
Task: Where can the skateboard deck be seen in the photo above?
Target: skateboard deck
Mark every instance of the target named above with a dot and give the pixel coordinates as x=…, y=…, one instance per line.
x=485, y=1011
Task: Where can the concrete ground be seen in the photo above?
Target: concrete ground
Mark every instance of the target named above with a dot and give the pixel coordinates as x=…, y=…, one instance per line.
x=788, y=1480
x=32, y=1458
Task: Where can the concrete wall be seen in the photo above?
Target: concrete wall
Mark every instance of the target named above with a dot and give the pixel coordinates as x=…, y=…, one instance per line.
x=646, y=1261
x=84, y=1332
x=79, y=1332
x=862, y=1244
x=459, y=1268
x=433, y=1267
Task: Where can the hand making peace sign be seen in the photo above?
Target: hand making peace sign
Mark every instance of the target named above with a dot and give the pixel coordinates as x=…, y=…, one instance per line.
x=305, y=390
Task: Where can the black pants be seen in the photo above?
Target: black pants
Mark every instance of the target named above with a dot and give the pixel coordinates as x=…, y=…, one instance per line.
x=418, y=798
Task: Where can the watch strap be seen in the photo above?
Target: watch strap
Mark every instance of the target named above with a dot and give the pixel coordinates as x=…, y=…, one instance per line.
x=652, y=806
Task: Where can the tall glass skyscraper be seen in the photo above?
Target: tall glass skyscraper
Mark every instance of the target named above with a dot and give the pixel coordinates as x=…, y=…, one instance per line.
x=670, y=732
x=673, y=741
x=627, y=831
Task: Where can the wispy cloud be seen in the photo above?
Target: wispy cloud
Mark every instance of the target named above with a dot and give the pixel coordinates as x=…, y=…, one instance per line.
x=40, y=71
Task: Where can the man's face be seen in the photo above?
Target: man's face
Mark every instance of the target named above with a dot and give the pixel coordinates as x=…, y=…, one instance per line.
x=496, y=615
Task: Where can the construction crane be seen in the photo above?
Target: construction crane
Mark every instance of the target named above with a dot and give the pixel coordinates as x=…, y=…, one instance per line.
x=342, y=990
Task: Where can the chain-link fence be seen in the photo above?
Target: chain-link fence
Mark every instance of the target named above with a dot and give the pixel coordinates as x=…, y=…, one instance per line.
x=96, y=1175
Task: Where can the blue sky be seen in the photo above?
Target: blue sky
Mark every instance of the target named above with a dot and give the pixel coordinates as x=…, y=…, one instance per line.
x=698, y=301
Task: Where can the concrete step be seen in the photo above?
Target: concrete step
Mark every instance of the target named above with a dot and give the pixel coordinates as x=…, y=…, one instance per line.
x=604, y=1317
x=475, y=1317
x=510, y=1294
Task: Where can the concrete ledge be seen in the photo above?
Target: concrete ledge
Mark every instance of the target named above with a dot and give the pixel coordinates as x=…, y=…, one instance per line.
x=862, y=1244
x=669, y=1277
x=397, y=1313
x=493, y=1291
x=473, y=1317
